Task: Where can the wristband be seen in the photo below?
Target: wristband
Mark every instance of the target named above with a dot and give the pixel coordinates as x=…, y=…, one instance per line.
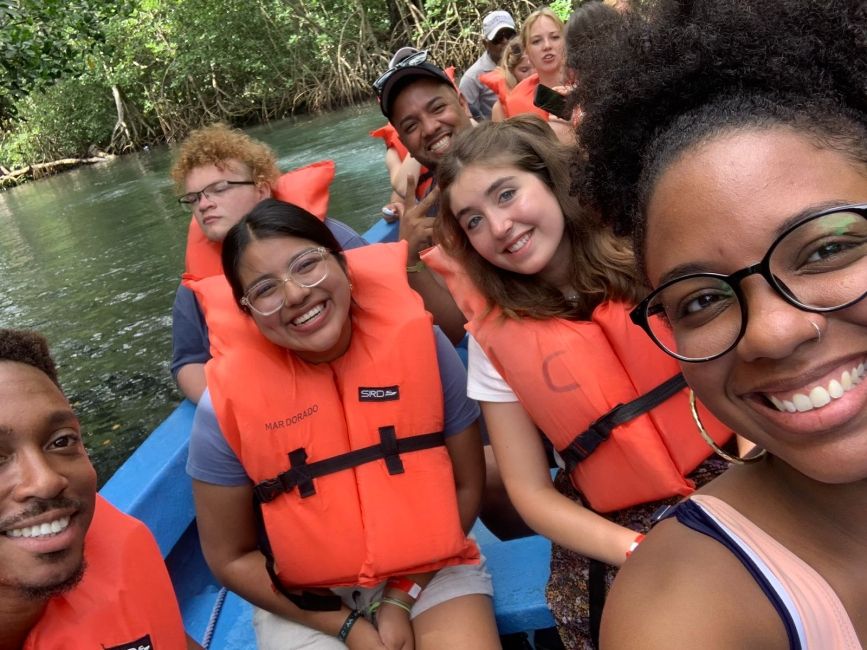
x=635, y=543
x=347, y=625
x=407, y=586
x=416, y=268
x=397, y=603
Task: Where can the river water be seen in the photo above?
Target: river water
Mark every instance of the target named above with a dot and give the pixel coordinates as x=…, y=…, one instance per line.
x=92, y=257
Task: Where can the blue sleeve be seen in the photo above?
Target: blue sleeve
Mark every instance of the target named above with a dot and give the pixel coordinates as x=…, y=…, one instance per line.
x=190, y=342
x=459, y=410
x=345, y=236
x=211, y=459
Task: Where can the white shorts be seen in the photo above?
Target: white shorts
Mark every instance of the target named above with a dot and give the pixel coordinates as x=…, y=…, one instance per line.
x=276, y=633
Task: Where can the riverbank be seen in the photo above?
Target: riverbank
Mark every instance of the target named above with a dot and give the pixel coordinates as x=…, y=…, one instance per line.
x=92, y=258
x=146, y=72
x=12, y=177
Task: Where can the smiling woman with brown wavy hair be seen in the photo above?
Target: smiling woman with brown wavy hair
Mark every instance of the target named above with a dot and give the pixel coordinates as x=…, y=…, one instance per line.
x=546, y=288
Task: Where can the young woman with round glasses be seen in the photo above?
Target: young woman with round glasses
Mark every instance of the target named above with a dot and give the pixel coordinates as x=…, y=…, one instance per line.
x=729, y=138
x=350, y=470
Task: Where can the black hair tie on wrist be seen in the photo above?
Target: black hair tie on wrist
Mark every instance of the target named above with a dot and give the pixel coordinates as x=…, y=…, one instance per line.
x=347, y=625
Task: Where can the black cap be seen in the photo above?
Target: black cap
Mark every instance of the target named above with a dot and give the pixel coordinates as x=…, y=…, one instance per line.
x=402, y=76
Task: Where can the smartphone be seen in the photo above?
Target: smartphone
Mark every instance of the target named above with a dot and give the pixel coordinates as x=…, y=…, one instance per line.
x=553, y=102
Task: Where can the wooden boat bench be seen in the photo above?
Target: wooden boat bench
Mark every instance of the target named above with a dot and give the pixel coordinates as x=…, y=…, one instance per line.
x=153, y=486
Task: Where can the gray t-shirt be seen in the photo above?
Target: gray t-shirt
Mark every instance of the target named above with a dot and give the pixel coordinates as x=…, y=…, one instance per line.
x=480, y=98
x=212, y=460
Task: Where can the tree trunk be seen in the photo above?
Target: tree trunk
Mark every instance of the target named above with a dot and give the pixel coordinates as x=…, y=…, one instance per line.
x=120, y=135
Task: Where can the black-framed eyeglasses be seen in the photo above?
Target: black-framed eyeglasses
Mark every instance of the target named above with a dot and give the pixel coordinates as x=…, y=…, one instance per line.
x=818, y=265
x=191, y=199
x=413, y=59
x=307, y=269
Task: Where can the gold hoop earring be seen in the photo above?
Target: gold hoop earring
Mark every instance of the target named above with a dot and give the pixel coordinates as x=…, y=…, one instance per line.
x=737, y=460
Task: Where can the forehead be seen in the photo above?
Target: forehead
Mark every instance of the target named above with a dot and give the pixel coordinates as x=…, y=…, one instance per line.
x=543, y=25
x=266, y=255
x=722, y=203
x=230, y=169
x=418, y=95
x=29, y=400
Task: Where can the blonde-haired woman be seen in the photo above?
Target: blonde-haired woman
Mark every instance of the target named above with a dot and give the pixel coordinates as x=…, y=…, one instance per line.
x=542, y=38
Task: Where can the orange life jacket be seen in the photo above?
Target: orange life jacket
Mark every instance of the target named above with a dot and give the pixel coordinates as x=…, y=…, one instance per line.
x=497, y=82
x=306, y=187
x=519, y=100
x=392, y=140
x=567, y=374
x=425, y=184
x=394, y=515
x=125, y=600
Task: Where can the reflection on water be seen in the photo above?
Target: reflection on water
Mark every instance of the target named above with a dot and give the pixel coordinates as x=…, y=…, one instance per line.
x=91, y=258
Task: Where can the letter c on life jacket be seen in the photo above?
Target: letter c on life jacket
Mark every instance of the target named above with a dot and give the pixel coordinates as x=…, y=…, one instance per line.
x=546, y=372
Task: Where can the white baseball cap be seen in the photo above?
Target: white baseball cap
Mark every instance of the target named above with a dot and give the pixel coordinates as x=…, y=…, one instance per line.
x=496, y=21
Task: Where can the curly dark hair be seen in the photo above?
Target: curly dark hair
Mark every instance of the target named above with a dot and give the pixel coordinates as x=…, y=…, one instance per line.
x=678, y=72
x=30, y=348
x=589, y=22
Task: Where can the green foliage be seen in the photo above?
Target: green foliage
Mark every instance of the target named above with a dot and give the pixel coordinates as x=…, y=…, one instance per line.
x=42, y=41
x=563, y=9
x=178, y=64
x=61, y=121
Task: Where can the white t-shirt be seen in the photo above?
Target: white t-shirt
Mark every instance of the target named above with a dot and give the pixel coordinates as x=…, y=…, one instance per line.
x=484, y=383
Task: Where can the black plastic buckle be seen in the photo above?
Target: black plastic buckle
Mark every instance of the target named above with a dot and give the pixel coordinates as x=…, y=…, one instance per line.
x=267, y=491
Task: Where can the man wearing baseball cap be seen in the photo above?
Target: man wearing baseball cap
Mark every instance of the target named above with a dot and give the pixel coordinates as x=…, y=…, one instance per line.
x=497, y=29
x=426, y=110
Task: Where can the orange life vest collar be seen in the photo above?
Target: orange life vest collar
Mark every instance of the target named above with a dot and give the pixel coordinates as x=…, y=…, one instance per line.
x=567, y=374
x=392, y=140
x=306, y=187
x=496, y=81
x=519, y=100
x=125, y=599
x=366, y=523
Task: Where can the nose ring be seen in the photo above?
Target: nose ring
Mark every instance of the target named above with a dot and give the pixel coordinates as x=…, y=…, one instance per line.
x=818, y=332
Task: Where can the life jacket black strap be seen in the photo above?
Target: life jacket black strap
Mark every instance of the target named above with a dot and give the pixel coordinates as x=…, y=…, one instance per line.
x=301, y=473
x=308, y=600
x=585, y=443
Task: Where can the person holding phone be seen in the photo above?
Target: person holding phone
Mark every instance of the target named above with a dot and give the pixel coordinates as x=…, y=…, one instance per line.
x=542, y=38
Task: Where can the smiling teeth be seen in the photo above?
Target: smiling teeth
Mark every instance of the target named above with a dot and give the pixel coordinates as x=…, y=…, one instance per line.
x=303, y=318
x=518, y=245
x=820, y=395
x=440, y=145
x=40, y=530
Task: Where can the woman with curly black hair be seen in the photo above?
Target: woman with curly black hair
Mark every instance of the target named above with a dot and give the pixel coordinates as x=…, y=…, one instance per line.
x=729, y=137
